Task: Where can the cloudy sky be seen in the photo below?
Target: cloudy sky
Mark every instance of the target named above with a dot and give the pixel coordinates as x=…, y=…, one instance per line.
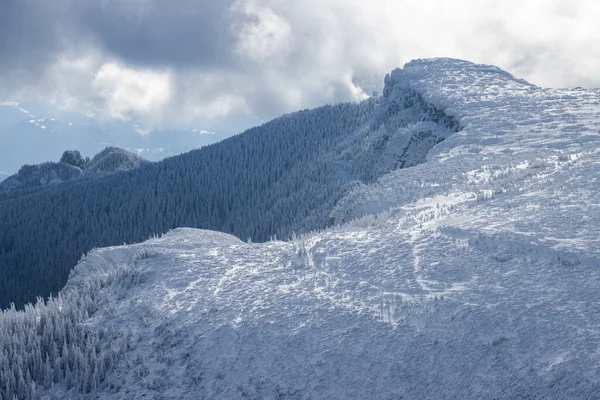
x=231, y=64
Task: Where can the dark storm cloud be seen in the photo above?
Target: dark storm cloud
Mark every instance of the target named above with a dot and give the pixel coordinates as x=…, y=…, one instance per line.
x=31, y=34
x=184, y=33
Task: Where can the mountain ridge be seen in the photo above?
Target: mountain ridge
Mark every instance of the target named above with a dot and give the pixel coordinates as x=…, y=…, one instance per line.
x=70, y=167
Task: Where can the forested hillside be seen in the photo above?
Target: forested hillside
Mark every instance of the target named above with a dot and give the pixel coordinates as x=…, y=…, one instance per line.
x=283, y=176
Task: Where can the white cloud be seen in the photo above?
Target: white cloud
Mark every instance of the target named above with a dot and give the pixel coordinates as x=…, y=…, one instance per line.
x=130, y=92
x=263, y=35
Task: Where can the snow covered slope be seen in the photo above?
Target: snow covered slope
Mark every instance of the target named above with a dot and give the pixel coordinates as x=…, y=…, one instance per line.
x=473, y=275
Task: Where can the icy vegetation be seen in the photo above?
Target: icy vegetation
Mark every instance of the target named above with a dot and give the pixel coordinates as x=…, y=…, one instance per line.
x=472, y=275
x=70, y=167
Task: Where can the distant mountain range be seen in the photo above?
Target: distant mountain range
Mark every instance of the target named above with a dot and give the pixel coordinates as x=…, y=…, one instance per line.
x=70, y=167
x=31, y=134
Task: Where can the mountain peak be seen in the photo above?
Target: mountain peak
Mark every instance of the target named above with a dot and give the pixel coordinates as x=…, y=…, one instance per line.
x=113, y=159
x=74, y=158
x=449, y=71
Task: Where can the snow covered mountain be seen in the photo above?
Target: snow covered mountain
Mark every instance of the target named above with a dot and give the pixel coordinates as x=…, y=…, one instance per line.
x=72, y=166
x=277, y=179
x=474, y=274
x=32, y=133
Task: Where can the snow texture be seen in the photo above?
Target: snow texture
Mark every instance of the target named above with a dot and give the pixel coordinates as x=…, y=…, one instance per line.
x=473, y=275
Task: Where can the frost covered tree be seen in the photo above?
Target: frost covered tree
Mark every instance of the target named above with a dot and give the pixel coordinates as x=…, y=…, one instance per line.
x=47, y=344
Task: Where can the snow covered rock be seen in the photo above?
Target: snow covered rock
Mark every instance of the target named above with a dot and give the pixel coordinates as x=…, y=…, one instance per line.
x=73, y=157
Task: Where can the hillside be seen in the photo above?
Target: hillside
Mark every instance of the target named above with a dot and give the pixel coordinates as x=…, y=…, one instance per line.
x=471, y=275
x=277, y=179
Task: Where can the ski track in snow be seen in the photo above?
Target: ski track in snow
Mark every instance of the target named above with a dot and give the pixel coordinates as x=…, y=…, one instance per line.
x=479, y=278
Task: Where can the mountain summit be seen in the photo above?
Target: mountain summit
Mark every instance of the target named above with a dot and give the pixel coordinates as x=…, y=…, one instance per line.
x=465, y=266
